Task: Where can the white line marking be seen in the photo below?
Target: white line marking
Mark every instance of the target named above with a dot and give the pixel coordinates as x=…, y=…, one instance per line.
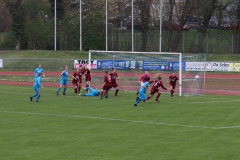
x=121, y=120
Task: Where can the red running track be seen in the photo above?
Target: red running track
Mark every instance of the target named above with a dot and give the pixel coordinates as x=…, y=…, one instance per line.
x=208, y=91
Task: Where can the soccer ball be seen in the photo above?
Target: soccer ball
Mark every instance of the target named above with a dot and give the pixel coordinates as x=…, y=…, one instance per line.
x=197, y=77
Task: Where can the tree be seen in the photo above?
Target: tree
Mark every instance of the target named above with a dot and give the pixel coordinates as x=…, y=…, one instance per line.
x=208, y=8
x=18, y=20
x=178, y=13
x=221, y=6
x=144, y=17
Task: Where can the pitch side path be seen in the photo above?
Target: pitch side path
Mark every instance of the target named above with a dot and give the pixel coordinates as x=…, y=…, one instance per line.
x=208, y=89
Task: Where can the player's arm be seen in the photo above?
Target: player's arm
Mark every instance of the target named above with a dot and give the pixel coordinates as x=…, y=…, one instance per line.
x=161, y=85
x=35, y=72
x=179, y=83
x=39, y=82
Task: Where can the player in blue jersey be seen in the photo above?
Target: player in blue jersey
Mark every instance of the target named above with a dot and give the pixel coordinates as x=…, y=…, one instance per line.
x=36, y=87
x=92, y=92
x=38, y=70
x=63, y=81
x=142, y=92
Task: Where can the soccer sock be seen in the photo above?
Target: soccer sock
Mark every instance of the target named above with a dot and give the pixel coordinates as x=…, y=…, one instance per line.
x=34, y=95
x=149, y=97
x=137, y=92
x=75, y=90
x=79, y=88
x=172, y=91
x=159, y=94
x=116, y=92
x=58, y=89
x=64, y=90
x=38, y=96
x=101, y=93
x=138, y=101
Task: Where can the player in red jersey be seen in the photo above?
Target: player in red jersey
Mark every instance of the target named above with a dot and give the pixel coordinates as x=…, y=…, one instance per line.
x=81, y=73
x=114, y=78
x=154, y=89
x=107, y=84
x=75, y=81
x=172, y=82
x=88, y=76
x=143, y=78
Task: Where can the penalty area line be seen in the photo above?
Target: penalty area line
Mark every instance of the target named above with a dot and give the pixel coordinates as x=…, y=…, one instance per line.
x=122, y=120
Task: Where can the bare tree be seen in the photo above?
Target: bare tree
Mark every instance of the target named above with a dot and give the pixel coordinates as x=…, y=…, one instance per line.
x=208, y=9
x=178, y=14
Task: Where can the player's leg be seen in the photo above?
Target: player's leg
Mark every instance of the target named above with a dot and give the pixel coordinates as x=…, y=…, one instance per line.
x=171, y=90
x=87, y=83
x=34, y=95
x=59, y=88
x=159, y=94
x=142, y=96
x=65, y=87
x=151, y=94
x=79, y=87
x=102, y=92
x=106, y=92
x=117, y=89
x=38, y=96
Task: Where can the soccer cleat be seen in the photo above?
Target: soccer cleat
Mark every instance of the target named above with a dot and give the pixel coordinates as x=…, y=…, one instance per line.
x=64, y=93
x=80, y=94
x=157, y=100
x=116, y=95
x=106, y=96
x=100, y=97
x=75, y=94
x=31, y=99
x=171, y=95
x=57, y=93
x=135, y=104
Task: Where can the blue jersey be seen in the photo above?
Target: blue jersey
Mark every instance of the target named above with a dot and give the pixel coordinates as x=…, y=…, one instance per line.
x=94, y=92
x=37, y=71
x=143, y=89
x=37, y=83
x=64, y=75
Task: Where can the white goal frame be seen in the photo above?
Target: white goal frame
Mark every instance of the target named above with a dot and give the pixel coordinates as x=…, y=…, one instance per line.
x=156, y=53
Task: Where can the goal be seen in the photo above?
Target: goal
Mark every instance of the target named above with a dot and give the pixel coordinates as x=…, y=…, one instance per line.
x=131, y=65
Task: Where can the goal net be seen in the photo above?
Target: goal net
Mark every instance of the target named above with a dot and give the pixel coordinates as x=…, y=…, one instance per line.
x=132, y=65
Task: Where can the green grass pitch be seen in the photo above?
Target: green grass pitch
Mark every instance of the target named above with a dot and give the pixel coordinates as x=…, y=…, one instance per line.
x=87, y=128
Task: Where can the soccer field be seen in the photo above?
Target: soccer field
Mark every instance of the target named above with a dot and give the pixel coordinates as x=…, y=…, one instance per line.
x=87, y=128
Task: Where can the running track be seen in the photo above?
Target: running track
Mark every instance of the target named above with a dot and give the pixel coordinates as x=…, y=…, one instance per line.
x=207, y=91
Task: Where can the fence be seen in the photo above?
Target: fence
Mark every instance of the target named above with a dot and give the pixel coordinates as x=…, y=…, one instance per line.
x=22, y=70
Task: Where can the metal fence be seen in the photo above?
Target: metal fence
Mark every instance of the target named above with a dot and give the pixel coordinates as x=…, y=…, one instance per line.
x=214, y=42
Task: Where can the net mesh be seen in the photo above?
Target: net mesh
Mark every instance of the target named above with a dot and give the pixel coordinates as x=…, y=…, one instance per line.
x=131, y=66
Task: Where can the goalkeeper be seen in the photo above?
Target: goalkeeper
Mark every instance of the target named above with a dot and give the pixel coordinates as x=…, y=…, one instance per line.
x=92, y=92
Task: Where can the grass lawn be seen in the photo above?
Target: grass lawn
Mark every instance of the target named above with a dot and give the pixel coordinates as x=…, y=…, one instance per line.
x=76, y=127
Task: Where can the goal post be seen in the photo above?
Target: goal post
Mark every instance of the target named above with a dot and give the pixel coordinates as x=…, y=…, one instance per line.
x=131, y=65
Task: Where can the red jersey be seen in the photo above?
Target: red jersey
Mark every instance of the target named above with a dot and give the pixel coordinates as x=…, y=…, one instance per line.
x=108, y=79
x=75, y=79
x=173, y=80
x=114, y=77
x=87, y=74
x=143, y=78
x=81, y=73
x=158, y=84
